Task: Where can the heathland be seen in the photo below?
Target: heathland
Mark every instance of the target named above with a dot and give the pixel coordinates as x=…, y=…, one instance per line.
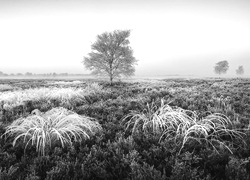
x=149, y=129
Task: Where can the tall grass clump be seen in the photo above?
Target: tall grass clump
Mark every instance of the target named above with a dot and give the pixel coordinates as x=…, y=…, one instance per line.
x=57, y=125
x=184, y=126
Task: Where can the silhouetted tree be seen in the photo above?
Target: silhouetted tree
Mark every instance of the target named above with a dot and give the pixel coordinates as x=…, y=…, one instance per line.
x=111, y=55
x=221, y=67
x=240, y=70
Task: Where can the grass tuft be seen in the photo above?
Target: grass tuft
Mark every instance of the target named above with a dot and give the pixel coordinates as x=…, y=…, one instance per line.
x=183, y=126
x=57, y=125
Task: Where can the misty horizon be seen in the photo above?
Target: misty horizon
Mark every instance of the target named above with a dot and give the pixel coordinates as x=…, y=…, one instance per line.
x=167, y=37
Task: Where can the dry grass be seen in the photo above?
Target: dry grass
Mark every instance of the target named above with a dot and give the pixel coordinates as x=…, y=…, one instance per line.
x=183, y=126
x=5, y=87
x=66, y=96
x=65, y=82
x=58, y=124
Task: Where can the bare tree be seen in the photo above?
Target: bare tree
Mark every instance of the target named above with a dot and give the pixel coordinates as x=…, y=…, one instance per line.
x=111, y=55
x=221, y=67
x=240, y=70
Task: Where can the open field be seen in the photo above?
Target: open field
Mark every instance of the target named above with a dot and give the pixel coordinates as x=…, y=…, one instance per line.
x=172, y=128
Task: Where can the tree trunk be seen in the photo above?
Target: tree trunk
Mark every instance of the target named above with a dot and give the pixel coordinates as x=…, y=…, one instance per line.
x=111, y=73
x=111, y=79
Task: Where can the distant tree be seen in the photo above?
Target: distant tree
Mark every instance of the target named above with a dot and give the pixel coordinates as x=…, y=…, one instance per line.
x=3, y=74
x=240, y=70
x=221, y=67
x=63, y=74
x=19, y=74
x=111, y=55
x=28, y=74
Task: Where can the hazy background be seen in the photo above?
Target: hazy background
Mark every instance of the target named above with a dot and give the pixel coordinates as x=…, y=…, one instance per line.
x=185, y=37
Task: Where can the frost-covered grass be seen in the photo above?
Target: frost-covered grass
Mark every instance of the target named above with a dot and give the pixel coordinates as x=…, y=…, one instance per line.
x=65, y=82
x=184, y=126
x=5, y=87
x=67, y=96
x=43, y=129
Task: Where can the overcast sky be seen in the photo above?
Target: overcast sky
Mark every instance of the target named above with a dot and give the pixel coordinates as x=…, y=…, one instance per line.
x=184, y=37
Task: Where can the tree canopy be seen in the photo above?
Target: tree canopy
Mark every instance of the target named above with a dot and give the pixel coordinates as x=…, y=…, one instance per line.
x=221, y=67
x=111, y=55
x=240, y=70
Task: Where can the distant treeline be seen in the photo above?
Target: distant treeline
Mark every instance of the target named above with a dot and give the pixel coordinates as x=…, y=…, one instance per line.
x=44, y=74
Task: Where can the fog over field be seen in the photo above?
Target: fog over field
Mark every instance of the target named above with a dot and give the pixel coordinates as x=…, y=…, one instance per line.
x=184, y=37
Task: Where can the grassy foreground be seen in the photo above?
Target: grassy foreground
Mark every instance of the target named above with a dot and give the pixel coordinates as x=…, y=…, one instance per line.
x=166, y=129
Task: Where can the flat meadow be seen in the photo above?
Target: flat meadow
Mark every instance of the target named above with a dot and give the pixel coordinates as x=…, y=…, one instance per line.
x=147, y=129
